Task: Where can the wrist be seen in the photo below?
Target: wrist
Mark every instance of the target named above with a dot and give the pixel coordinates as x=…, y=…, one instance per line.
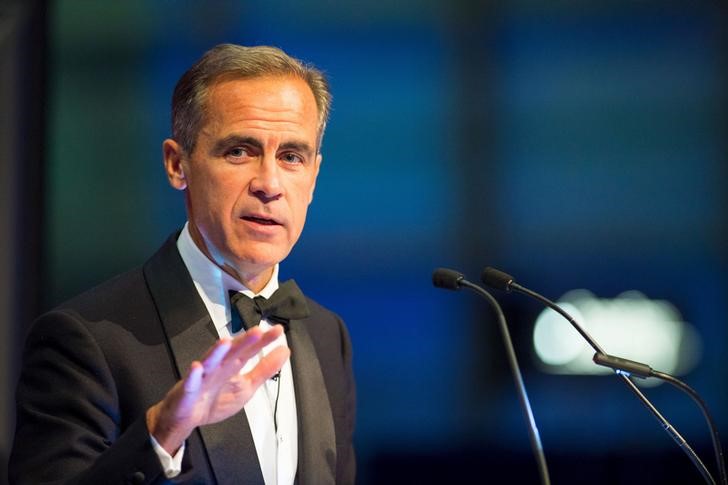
x=168, y=436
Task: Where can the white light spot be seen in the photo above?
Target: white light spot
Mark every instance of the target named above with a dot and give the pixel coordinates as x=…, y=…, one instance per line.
x=555, y=340
x=630, y=326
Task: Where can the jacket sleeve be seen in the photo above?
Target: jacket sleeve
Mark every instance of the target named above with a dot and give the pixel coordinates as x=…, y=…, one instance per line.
x=68, y=415
x=348, y=472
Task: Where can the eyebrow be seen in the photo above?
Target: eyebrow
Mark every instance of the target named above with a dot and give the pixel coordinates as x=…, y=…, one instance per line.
x=235, y=140
x=299, y=146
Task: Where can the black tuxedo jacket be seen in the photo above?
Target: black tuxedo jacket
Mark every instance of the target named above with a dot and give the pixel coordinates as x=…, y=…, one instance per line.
x=93, y=366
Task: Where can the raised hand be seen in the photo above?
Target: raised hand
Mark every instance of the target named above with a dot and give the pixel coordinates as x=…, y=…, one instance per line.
x=214, y=389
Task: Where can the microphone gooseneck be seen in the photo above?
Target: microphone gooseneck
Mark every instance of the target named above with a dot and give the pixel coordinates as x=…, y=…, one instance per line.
x=452, y=280
x=503, y=281
x=630, y=367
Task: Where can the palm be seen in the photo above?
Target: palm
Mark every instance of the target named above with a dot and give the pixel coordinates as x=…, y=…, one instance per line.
x=215, y=389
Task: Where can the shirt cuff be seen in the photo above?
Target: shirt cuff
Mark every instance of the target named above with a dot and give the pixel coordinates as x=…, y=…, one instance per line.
x=172, y=465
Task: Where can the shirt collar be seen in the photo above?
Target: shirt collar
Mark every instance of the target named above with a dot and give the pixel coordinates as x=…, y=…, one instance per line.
x=213, y=283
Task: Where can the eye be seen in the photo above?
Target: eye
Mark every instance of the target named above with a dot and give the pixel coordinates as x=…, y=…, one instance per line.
x=237, y=154
x=292, y=158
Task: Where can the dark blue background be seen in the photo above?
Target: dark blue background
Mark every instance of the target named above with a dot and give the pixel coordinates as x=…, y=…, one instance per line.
x=575, y=146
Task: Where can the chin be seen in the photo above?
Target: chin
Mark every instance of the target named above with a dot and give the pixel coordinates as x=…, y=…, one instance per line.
x=260, y=261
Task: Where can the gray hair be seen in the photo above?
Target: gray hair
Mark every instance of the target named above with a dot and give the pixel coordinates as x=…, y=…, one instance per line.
x=229, y=61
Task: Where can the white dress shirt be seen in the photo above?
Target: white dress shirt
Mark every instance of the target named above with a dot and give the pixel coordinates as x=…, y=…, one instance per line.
x=277, y=449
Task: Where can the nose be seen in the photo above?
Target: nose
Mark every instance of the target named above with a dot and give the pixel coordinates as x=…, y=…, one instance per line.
x=266, y=183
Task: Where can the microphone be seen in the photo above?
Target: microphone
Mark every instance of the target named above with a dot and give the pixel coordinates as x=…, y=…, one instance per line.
x=495, y=278
x=447, y=278
x=452, y=280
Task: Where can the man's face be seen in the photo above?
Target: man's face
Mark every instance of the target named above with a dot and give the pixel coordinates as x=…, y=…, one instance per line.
x=252, y=173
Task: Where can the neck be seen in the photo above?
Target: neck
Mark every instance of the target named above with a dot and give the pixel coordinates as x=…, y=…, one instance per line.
x=253, y=279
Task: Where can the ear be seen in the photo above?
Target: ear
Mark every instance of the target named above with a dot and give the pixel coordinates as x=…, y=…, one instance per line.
x=317, y=166
x=173, y=164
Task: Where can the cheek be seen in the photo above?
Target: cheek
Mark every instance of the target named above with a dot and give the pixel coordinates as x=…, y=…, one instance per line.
x=299, y=212
x=214, y=198
x=209, y=203
x=305, y=191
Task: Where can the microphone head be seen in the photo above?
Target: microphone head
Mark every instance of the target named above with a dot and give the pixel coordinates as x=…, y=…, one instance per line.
x=497, y=279
x=447, y=278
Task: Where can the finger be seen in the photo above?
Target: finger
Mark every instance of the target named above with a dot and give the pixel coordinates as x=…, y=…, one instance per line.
x=272, y=333
x=242, y=349
x=216, y=354
x=193, y=380
x=268, y=366
x=266, y=337
x=249, y=346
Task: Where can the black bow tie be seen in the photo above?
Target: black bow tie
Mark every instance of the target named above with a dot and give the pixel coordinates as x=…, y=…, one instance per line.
x=287, y=303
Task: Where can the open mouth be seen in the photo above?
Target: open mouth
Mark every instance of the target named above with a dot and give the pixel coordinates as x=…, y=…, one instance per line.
x=261, y=220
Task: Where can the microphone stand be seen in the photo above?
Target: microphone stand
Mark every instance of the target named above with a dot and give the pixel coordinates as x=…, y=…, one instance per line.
x=495, y=278
x=449, y=279
x=637, y=369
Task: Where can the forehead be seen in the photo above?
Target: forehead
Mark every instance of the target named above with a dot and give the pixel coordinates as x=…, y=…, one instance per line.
x=271, y=103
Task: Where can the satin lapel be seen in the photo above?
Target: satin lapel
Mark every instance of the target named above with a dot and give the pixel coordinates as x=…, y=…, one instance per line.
x=316, y=436
x=229, y=444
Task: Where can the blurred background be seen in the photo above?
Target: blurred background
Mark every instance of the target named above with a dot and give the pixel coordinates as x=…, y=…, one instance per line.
x=573, y=144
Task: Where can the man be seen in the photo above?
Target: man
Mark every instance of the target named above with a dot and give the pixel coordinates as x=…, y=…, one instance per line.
x=148, y=378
